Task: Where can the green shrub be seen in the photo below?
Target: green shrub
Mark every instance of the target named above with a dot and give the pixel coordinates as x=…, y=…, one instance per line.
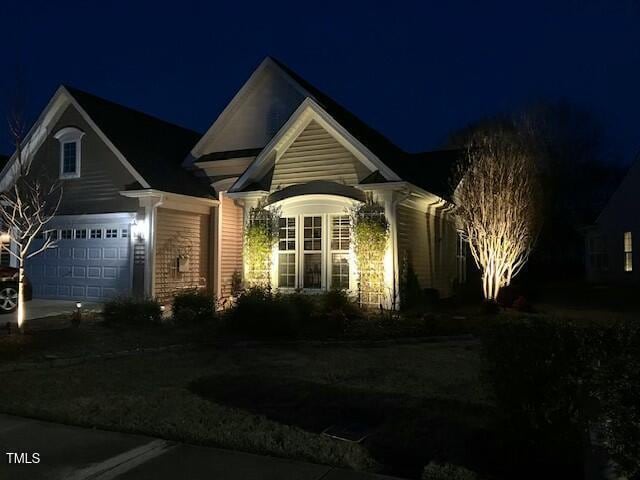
x=132, y=310
x=553, y=378
x=447, y=471
x=259, y=312
x=194, y=306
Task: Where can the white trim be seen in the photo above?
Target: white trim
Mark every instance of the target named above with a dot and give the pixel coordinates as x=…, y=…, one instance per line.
x=218, y=244
x=95, y=217
x=251, y=195
x=224, y=184
x=152, y=192
x=307, y=111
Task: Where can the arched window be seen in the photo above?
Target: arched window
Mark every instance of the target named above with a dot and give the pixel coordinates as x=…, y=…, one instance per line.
x=70, y=151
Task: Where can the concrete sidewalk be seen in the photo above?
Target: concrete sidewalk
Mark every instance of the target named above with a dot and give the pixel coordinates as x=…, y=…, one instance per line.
x=74, y=453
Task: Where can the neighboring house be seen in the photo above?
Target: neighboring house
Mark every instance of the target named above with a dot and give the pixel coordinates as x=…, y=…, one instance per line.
x=153, y=208
x=612, y=243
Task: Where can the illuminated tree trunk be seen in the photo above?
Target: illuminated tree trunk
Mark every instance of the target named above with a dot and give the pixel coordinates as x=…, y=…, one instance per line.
x=21, y=284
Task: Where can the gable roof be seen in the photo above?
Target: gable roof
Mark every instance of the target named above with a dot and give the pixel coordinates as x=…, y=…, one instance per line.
x=154, y=147
x=431, y=171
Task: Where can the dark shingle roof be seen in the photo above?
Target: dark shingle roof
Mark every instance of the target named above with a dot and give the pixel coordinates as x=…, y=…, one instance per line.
x=428, y=170
x=155, y=148
x=247, y=152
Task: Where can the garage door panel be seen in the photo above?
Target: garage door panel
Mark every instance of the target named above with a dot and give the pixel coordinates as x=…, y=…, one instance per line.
x=93, y=272
x=79, y=272
x=91, y=268
x=79, y=253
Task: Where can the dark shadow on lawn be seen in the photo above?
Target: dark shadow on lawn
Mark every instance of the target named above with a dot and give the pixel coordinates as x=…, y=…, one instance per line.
x=406, y=432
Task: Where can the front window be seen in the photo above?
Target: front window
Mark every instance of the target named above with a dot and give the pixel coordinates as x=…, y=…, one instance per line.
x=287, y=253
x=628, y=252
x=340, y=240
x=312, y=252
x=69, y=158
x=66, y=234
x=70, y=150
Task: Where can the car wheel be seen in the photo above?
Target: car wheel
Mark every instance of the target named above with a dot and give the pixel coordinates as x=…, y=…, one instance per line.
x=8, y=299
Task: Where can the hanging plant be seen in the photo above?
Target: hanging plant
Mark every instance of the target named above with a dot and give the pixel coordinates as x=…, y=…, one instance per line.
x=260, y=237
x=370, y=238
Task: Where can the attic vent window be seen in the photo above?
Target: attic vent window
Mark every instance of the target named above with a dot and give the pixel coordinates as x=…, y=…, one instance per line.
x=70, y=151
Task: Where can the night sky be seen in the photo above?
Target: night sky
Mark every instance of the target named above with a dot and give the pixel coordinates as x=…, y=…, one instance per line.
x=415, y=71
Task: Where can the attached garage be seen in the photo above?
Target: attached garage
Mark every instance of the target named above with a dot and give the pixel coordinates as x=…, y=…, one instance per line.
x=91, y=260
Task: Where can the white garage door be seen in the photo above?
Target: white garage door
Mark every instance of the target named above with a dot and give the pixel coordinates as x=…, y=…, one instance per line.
x=91, y=262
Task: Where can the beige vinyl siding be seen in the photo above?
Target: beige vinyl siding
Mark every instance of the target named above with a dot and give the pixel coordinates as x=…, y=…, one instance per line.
x=230, y=243
x=316, y=155
x=180, y=234
x=414, y=243
x=428, y=241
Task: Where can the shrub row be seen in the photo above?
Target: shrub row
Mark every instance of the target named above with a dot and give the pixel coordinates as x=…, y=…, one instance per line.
x=192, y=306
x=260, y=312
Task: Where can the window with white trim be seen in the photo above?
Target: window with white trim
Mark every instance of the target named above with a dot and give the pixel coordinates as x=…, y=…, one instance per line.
x=80, y=234
x=111, y=233
x=287, y=253
x=96, y=233
x=124, y=233
x=628, y=252
x=66, y=234
x=312, y=252
x=70, y=151
x=340, y=241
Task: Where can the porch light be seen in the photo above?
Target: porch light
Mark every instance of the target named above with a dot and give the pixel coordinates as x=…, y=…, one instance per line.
x=137, y=229
x=78, y=305
x=162, y=308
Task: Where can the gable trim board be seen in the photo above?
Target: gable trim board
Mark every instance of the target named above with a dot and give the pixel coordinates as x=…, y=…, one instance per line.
x=307, y=112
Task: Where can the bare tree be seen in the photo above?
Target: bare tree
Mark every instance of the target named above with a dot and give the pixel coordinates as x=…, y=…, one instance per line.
x=498, y=203
x=27, y=206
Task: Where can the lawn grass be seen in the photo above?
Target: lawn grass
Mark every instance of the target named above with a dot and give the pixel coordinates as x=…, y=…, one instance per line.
x=421, y=400
x=93, y=338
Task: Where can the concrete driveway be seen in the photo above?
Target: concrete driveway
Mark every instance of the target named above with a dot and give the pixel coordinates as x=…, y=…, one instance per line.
x=72, y=453
x=40, y=308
